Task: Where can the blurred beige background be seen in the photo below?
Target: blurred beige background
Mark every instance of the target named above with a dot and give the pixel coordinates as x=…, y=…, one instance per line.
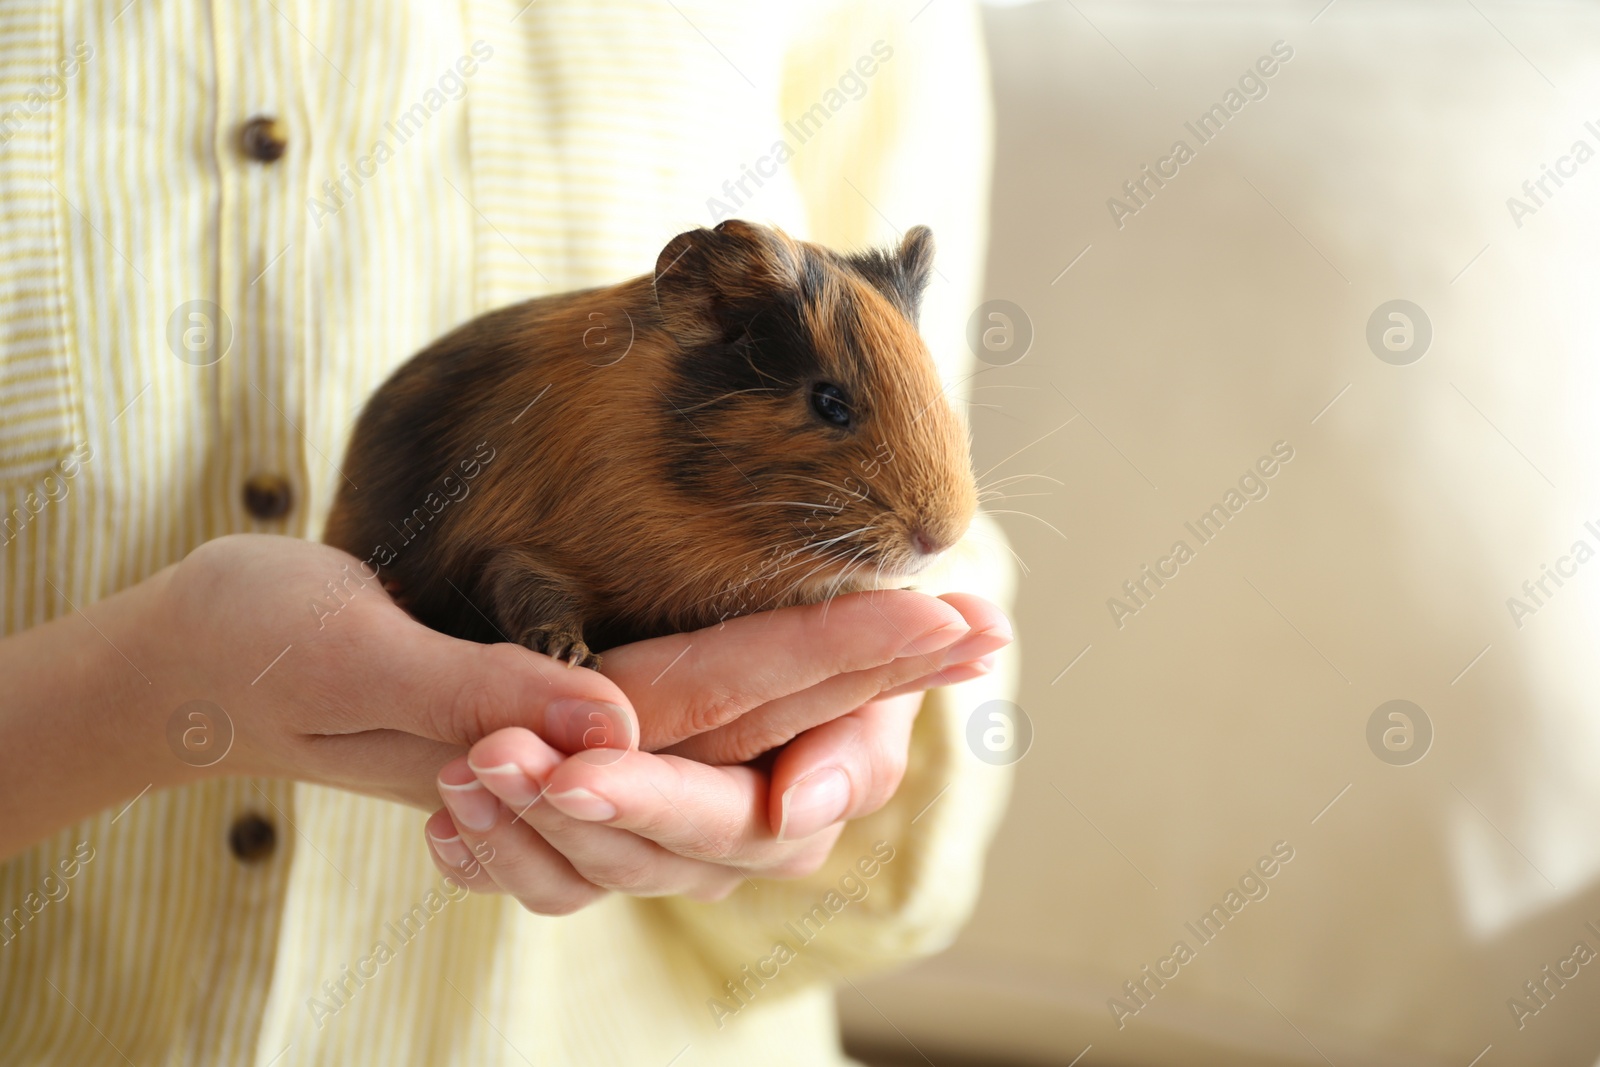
x=1231, y=712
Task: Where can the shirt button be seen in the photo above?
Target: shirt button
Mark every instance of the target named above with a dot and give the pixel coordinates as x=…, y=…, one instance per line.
x=264, y=138
x=267, y=496
x=252, y=838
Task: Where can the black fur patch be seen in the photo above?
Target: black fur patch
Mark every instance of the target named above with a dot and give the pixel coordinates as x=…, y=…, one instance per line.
x=766, y=359
x=902, y=275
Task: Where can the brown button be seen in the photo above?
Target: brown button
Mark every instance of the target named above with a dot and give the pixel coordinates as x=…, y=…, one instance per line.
x=267, y=496
x=264, y=138
x=252, y=838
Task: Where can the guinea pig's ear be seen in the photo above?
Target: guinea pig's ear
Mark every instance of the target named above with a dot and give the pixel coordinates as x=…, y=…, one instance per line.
x=902, y=275
x=710, y=284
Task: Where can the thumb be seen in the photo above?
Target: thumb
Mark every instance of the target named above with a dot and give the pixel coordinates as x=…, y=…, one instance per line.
x=842, y=769
x=460, y=692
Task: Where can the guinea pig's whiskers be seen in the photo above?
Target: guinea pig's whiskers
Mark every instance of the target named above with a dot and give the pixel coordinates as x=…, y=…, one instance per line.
x=799, y=583
x=835, y=486
x=1021, y=563
x=869, y=561
x=944, y=391
x=726, y=396
x=984, y=498
x=805, y=552
x=772, y=504
x=802, y=559
x=855, y=564
x=857, y=532
x=1035, y=518
x=1008, y=479
x=772, y=563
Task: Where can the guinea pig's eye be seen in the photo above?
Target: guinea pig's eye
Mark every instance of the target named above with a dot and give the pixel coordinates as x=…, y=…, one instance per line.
x=830, y=404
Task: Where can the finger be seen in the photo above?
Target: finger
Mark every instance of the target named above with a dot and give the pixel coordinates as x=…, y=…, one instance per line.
x=980, y=614
x=989, y=632
x=514, y=765
x=390, y=764
x=452, y=856
x=699, y=681
x=714, y=814
x=961, y=672
x=520, y=862
x=777, y=721
x=624, y=862
x=459, y=692
x=842, y=769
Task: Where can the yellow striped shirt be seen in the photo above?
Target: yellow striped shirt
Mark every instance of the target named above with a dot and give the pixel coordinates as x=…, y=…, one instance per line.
x=177, y=318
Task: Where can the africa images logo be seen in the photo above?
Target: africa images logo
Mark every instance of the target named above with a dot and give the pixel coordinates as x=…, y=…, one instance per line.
x=1205, y=128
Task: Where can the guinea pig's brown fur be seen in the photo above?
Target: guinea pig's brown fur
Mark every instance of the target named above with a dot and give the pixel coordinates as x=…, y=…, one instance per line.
x=755, y=425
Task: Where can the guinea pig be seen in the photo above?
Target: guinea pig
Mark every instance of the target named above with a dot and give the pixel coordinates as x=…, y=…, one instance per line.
x=757, y=424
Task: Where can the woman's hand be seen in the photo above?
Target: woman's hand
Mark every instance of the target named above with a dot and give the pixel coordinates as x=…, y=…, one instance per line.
x=324, y=679
x=843, y=680
x=731, y=692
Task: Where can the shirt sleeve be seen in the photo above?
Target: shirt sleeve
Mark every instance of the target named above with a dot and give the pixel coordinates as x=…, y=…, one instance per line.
x=912, y=146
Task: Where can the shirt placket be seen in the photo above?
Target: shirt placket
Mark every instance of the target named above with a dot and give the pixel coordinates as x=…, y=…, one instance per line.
x=263, y=152
x=263, y=156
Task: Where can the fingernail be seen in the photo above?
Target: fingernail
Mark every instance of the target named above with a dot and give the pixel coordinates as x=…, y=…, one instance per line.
x=582, y=804
x=510, y=783
x=453, y=851
x=471, y=805
x=943, y=637
x=976, y=645
x=816, y=801
x=574, y=725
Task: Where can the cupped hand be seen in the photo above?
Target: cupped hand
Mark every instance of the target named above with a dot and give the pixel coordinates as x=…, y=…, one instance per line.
x=323, y=678
x=729, y=693
x=841, y=683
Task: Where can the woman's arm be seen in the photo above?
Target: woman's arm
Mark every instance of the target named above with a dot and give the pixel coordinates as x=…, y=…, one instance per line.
x=80, y=729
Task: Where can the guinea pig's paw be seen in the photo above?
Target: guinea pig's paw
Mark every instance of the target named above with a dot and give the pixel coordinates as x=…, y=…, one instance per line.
x=562, y=643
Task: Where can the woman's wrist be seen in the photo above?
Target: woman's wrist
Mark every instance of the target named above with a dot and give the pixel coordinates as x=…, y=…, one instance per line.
x=83, y=726
x=139, y=685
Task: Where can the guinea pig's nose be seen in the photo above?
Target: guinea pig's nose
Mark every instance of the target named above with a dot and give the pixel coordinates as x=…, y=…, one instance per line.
x=927, y=544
